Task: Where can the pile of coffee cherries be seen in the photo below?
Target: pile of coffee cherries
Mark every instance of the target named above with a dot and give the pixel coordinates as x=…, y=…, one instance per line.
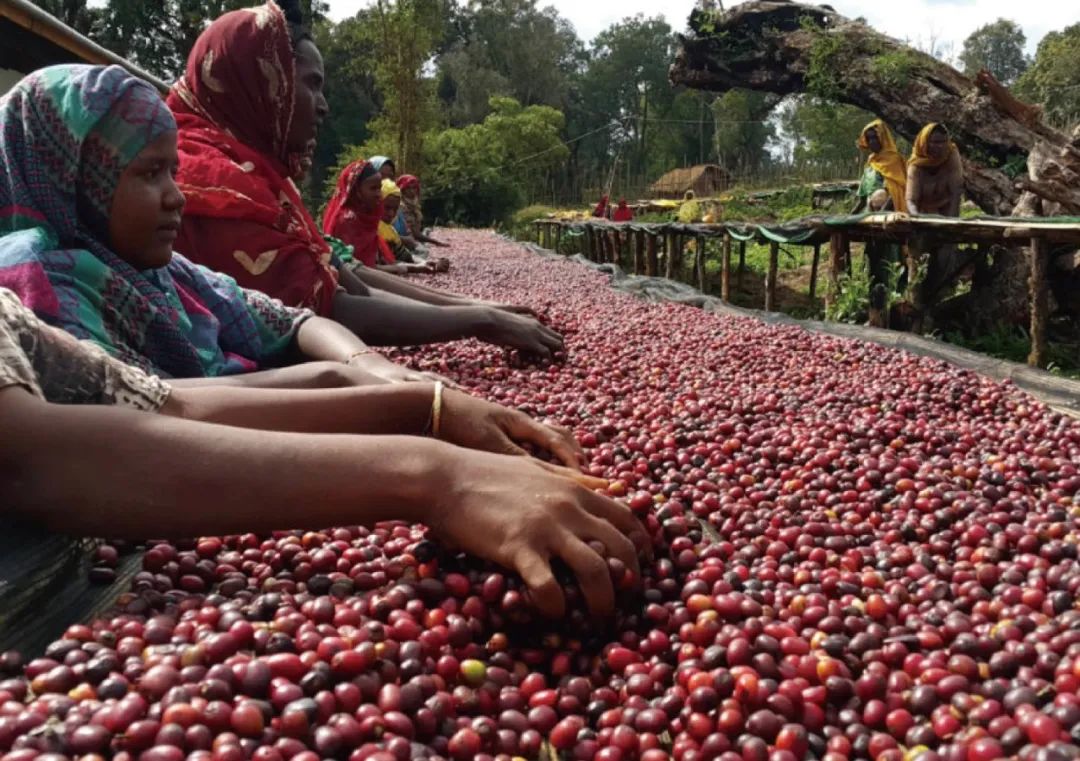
x=859, y=554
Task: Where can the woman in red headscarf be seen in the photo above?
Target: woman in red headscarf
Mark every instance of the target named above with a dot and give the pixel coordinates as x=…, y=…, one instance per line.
x=248, y=109
x=601, y=209
x=623, y=213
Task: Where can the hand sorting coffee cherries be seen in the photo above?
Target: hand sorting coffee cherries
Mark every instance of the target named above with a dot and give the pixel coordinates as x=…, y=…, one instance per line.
x=857, y=554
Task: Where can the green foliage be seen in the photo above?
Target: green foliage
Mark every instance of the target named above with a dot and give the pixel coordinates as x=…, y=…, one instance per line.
x=403, y=37
x=1013, y=343
x=520, y=225
x=829, y=56
x=743, y=130
x=895, y=68
x=477, y=175
x=823, y=133
x=852, y=302
x=1053, y=80
x=998, y=47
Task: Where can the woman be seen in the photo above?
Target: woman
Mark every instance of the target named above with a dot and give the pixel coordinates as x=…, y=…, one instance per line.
x=358, y=214
x=411, y=219
x=399, y=246
x=248, y=107
x=885, y=170
x=93, y=447
x=623, y=213
x=385, y=166
x=935, y=178
x=601, y=210
x=89, y=211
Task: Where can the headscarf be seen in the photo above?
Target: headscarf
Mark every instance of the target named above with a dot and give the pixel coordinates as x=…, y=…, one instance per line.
x=68, y=133
x=244, y=215
x=407, y=181
x=380, y=161
x=345, y=219
x=601, y=208
x=887, y=162
x=623, y=213
x=920, y=151
x=410, y=220
x=387, y=231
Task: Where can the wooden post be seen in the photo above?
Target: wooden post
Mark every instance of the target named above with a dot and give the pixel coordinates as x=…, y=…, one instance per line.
x=1038, y=294
x=588, y=243
x=770, y=278
x=636, y=243
x=539, y=233
x=651, y=250
x=558, y=237
x=838, y=247
x=742, y=263
x=699, y=259
x=813, y=271
x=725, y=271
x=669, y=258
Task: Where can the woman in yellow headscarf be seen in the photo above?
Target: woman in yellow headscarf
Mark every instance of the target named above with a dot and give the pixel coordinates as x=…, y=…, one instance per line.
x=935, y=173
x=391, y=203
x=885, y=170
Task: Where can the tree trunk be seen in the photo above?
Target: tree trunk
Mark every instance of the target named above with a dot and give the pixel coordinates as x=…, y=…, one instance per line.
x=786, y=47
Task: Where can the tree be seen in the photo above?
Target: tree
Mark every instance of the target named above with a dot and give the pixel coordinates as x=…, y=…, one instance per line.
x=626, y=80
x=536, y=50
x=997, y=47
x=403, y=36
x=481, y=173
x=74, y=13
x=350, y=92
x=743, y=130
x=1053, y=80
x=823, y=135
x=466, y=83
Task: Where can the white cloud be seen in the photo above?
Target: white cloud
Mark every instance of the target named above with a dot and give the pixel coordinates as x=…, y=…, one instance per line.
x=947, y=21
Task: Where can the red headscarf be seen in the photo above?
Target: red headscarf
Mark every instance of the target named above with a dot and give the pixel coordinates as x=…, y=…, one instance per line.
x=244, y=215
x=344, y=218
x=407, y=181
x=623, y=213
x=601, y=208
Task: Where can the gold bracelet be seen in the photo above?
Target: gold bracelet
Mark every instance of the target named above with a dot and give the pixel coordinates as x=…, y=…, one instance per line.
x=436, y=409
x=360, y=353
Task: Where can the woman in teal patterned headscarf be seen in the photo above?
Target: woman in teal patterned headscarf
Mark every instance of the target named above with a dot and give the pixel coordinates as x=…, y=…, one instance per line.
x=67, y=133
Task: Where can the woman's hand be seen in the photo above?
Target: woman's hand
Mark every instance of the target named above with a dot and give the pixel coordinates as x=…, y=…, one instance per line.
x=375, y=364
x=523, y=333
x=521, y=513
x=477, y=424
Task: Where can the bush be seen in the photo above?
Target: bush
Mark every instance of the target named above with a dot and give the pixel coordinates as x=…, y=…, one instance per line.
x=520, y=226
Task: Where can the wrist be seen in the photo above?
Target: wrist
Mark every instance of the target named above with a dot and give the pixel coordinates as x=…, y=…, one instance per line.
x=428, y=480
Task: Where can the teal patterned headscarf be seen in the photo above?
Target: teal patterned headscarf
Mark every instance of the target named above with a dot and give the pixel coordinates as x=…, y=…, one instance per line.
x=66, y=135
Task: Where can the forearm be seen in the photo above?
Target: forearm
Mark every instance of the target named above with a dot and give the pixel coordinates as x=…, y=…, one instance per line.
x=93, y=471
x=401, y=408
x=395, y=322
x=305, y=375
x=323, y=339
x=400, y=287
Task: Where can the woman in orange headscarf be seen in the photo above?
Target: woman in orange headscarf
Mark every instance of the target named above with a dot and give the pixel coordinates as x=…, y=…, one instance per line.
x=935, y=173
x=885, y=169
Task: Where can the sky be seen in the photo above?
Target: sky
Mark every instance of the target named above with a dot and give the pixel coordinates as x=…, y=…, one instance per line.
x=947, y=22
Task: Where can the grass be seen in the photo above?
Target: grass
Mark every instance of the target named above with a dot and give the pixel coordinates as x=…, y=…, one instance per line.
x=1013, y=344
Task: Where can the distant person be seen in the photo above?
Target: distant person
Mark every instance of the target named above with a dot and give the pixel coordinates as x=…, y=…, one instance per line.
x=601, y=210
x=412, y=214
x=623, y=213
x=935, y=176
x=884, y=181
x=385, y=166
x=391, y=205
